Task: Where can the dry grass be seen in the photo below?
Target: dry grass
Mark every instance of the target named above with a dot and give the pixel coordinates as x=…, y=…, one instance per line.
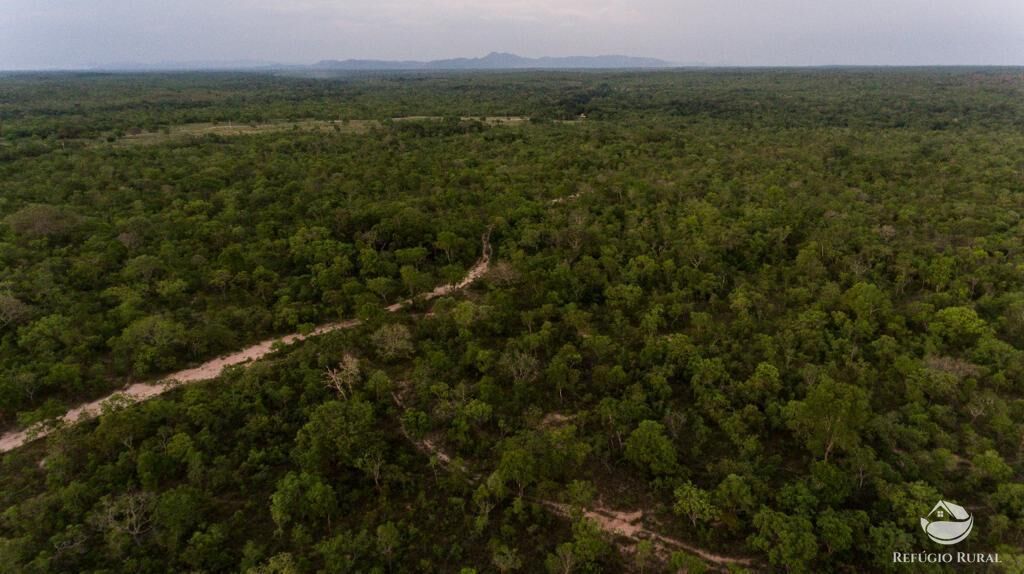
x=959, y=368
x=187, y=131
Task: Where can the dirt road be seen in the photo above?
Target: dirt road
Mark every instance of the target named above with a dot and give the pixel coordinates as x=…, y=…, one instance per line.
x=213, y=368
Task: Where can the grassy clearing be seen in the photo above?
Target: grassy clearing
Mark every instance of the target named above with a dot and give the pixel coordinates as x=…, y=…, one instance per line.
x=187, y=131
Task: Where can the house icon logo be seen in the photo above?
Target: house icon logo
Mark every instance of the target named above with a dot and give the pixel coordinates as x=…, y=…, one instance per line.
x=947, y=523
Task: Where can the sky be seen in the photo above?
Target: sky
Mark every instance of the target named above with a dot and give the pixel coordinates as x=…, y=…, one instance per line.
x=63, y=34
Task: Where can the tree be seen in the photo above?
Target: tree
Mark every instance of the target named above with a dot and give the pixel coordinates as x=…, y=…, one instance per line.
x=734, y=494
x=763, y=385
x=563, y=561
x=1010, y=499
x=989, y=467
x=883, y=540
x=518, y=465
x=343, y=378
x=336, y=436
x=688, y=563
x=869, y=304
x=282, y=563
x=128, y=514
x=649, y=448
x=788, y=540
x=49, y=335
x=694, y=503
x=831, y=416
x=372, y=463
x=585, y=552
x=447, y=242
x=300, y=498
x=506, y=559
x=40, y=220
x=589, y=544
x=388, y=541
x=836, y=528
x=520, y=365
x=393, y=341
x=12, y=310
x=381, y=286
x=643, y=555
x=143, y=268
x=959, y=326
x=414, y=280
x=150, y=344
x=561, y=372
x=177, y=512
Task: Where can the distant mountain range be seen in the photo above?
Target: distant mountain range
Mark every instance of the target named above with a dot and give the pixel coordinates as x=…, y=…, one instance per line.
x=492, y=61
x=498, y=61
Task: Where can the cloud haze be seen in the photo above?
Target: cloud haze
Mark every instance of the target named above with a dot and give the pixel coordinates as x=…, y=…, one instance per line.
x=82, y=33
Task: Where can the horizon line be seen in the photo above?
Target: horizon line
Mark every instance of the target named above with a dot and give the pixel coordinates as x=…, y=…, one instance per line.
x=266, y=68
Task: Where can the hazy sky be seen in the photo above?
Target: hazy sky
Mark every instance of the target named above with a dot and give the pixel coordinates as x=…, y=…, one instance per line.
x=81, y=33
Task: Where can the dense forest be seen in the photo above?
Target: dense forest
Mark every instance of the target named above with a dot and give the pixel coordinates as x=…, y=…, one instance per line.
x=754, y=320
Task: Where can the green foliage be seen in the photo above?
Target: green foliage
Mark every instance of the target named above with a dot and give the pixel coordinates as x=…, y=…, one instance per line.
x=301, y=498
x=830, y=417
x=649, y=448
x=694, y=503
x=788, y=541
x=777, y=311
x=335, y=436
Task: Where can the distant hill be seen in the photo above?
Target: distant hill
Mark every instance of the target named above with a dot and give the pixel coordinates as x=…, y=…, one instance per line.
x=498, y=61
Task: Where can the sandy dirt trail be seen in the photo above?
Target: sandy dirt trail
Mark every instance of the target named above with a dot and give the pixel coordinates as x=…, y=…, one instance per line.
x=627, y=527
x=213, y=368
x=630, y=526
